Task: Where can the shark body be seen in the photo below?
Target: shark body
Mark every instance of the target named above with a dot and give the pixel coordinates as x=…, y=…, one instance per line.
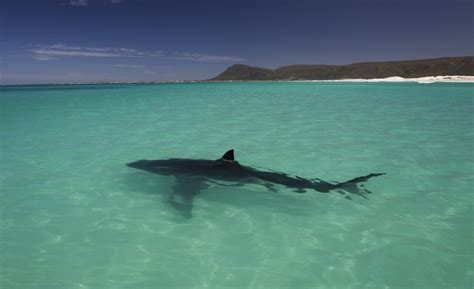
x=194, y=175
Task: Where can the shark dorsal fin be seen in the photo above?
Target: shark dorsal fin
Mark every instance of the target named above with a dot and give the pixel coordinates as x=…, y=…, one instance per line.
x=228, y=156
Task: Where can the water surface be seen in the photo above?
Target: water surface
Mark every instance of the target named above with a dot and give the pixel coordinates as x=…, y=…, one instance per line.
x=74, y=216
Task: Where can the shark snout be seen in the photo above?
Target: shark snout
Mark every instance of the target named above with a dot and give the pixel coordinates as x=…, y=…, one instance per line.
x=138, y=164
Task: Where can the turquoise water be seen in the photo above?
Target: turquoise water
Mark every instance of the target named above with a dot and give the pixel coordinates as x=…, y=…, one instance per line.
x=74, y=216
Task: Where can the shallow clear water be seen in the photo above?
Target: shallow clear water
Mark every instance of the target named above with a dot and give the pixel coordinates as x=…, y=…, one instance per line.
x=74, y=216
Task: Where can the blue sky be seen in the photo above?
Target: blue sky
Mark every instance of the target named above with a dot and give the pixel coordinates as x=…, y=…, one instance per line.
x=57, y=41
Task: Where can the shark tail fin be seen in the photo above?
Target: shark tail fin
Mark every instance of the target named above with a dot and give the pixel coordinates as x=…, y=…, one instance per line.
x=352, y=186
x=363, y=178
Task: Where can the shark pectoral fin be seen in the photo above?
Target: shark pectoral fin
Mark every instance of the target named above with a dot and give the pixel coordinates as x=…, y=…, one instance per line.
x=185, y=209
x=185, y=189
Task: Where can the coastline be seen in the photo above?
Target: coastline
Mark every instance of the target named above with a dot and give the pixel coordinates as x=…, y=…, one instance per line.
x=424, y=80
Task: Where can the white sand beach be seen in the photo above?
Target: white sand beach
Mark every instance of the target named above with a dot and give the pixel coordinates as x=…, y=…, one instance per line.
x=427, y=79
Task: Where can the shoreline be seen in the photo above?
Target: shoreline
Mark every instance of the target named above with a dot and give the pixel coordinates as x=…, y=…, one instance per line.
x=392, y=79
x=425, y=79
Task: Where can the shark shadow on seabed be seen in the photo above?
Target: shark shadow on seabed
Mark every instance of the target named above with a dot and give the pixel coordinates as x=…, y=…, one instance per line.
x=192, y=176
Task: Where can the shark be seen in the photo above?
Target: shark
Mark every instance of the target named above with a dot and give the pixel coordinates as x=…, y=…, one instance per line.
x=192, y=176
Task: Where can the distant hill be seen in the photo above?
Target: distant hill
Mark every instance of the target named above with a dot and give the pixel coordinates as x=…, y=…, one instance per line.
x=406, y=69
